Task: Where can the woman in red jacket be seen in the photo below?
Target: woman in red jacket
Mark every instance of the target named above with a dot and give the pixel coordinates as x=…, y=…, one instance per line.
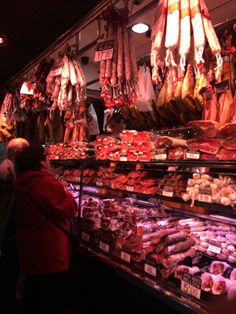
x=44, y=249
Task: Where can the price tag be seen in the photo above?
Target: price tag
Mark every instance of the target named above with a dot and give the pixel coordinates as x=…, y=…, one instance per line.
x=205, y=198
x=214, y=247
x=99, y=182
x=129, y=188
x=168, y=191
x=191, y=285
x=125, y=256
x=150, y=270
x=104, y=247
x=123, y=158
x=104, y=50
x=161, y=154
x=193, y=154
x=85, y=237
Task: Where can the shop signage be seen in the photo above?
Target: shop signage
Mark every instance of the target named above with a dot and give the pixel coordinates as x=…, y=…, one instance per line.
x=205, y=195
x=104, y=50
x=191, y=285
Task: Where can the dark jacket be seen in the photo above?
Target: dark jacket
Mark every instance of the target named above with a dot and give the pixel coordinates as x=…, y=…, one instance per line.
x=43, y=248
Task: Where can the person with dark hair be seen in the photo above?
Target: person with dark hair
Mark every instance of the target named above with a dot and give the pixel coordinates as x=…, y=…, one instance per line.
x=43, y=209
x=9, y=267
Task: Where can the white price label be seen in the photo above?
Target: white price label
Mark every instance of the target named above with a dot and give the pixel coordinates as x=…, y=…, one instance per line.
x=150, y=270
x=85, y=237
x=129, y=188
x=161, y=157
x=104, y=50
x=191, y=285
x=191, y=155
x=104, y=247
x=167, y=193
x=123, y=158
x=214, y=247
x=125, y=256
x=103, y=55
x=205, y=198
x=99, y=183
x=189, y=289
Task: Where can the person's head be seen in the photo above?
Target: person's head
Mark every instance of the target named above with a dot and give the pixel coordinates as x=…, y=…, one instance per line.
x=14, y=146
x=30, y=158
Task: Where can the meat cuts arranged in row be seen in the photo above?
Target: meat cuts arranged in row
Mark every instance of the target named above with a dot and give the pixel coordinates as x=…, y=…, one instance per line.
x=146, y=146
x=164, y=239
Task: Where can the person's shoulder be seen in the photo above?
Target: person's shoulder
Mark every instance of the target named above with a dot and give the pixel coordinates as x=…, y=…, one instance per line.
x=7, y=170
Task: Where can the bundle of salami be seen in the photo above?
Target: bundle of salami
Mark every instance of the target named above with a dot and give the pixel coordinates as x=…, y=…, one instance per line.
x=118, y=76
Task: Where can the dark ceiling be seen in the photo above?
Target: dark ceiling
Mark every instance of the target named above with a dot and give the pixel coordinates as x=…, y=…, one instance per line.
x=31, y=26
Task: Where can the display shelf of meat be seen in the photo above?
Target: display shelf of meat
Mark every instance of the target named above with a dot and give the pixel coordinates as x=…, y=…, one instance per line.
x=124, y=221
x=161, y=243
x=192, y=191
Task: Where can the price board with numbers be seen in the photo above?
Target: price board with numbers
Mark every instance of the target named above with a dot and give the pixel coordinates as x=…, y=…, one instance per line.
x=205, y=195
x=129, y=188
x=191, y=285
x=104, y=50
x=150, y=270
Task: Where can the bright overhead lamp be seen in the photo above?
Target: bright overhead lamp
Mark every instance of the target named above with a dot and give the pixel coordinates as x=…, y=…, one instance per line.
x=3, y=40
x=140, y=28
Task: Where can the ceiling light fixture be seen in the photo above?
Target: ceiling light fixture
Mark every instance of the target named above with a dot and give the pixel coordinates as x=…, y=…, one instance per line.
x=140, y=28
x=3, y=40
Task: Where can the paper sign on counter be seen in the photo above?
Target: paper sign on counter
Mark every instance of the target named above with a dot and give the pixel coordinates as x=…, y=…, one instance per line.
x=191, y=285
x=104, y=247
x=150, y=270
x=125, y=256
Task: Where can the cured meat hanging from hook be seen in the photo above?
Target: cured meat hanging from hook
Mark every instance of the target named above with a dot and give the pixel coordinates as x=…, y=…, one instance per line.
x=172, y=30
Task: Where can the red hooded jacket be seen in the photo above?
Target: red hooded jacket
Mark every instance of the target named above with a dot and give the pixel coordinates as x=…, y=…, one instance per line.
x=42, y=247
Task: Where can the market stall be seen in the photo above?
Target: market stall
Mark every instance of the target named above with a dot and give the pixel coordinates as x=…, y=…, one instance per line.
x=141, y=129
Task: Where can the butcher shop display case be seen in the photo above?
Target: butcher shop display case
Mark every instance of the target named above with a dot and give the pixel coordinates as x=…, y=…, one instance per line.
x=170, y=225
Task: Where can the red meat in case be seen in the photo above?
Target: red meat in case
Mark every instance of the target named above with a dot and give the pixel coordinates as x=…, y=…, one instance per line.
x=175, y=153
x=145, y=156
x=143, y=136
x=227, y=130
x=206, y=145
x=132, y=156
x=204, y=156
x=229, y=143
x=226, y=154
x=208, y=128
x=127, y=136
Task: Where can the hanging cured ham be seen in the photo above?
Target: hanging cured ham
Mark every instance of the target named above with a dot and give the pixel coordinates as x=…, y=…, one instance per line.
x=180, y=30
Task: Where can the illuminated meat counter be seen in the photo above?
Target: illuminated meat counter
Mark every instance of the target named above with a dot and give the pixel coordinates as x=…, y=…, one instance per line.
x=171, y=226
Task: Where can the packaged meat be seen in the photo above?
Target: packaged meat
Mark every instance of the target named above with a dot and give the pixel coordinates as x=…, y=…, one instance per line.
x=220, y=285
